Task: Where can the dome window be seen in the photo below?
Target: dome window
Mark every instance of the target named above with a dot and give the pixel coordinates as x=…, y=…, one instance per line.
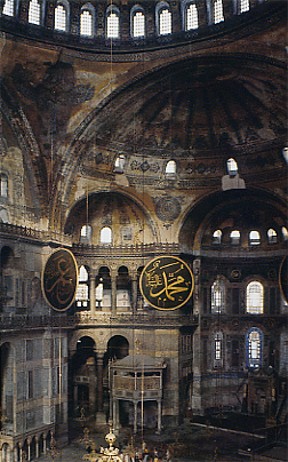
x=254, y=238
x=86, y=22
x=112, y=23
x=106, y=235
x=61, y=19
x=86, y=234
x=170, y=169
x=272, y=236
x=165, y=21
x=285, y=233
x=218, y=11
x=3, y=185
x=217, y=237
x=232, y=167
x=244, y=6
x=34, y=12
x=191, y=19
x=8, y=8
x=138, y=24
x=235, y=237
x=119, y=164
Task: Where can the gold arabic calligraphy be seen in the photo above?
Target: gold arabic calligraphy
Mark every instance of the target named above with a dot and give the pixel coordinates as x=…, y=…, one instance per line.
x=167, y=282
x=60, y=279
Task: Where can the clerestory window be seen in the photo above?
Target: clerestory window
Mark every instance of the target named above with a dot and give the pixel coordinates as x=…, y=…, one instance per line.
x=217, y=237
x=165, y=21
x=138, y=24
x=244, y=6
x=218, y=296
x=255, y=298
x=3, y=185
x=86, y=23
x=61, y=17
x=106, y=235
x=192, y=21
x=8, y=8
x=34, y=13
x=218, y=11
x=112, y=24
x=272, y=236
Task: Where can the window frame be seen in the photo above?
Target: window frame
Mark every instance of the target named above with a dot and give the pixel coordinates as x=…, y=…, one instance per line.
x=112, y=9
x=90, y=9
x=65, y=5
x=137, y=9
x=254, y=308
x=160, y=7
x=254, y=363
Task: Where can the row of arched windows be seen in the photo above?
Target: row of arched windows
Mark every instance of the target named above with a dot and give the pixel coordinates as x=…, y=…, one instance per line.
x=254, y=297
x=253, y=348
x=254, y=236
x=163, y=16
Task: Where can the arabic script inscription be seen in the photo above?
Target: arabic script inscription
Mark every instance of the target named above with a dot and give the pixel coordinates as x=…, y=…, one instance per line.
x=166, y=283
x=60, y=279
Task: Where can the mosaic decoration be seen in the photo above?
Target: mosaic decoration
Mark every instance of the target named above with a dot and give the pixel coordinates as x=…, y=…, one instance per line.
x=168, y=208
x=166, y=283
x=59, y=280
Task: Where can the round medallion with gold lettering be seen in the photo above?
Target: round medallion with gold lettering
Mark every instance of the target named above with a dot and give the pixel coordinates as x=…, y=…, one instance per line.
x=59, y=279
x=166, y=283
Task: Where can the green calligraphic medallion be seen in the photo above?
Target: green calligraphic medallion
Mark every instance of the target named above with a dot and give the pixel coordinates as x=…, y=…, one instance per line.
x=60, y=279
x=166, y=283
x=283, y=278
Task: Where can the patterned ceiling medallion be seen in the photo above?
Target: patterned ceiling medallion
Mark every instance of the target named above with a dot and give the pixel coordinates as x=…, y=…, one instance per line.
x=168, y=208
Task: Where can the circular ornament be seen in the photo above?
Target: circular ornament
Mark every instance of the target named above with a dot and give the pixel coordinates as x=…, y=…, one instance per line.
x=166, y=283
x=59, y=279
x=168, y=208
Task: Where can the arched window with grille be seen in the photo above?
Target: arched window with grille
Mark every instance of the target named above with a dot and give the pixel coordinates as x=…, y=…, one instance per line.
x=217, y=237
x=87, y=21
x=232, y=167
x=9, y=8
x=86, y=234
x=255, y=298
x=34, y=12
x=218, y=296
x=137, y=21
x=284, y=233
x=61, y=16
x=112, y=22
x=254, y=237
x=254, y=348
x=272, y=236
x=163, y=19
x=218, y=14
x=82, y=293
x=106, y=235
x=235, y=237
x=119, y=164
x=218, y=346
x=191, y=17
x=170, y=169
x=244, y=6
x=3, y=185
